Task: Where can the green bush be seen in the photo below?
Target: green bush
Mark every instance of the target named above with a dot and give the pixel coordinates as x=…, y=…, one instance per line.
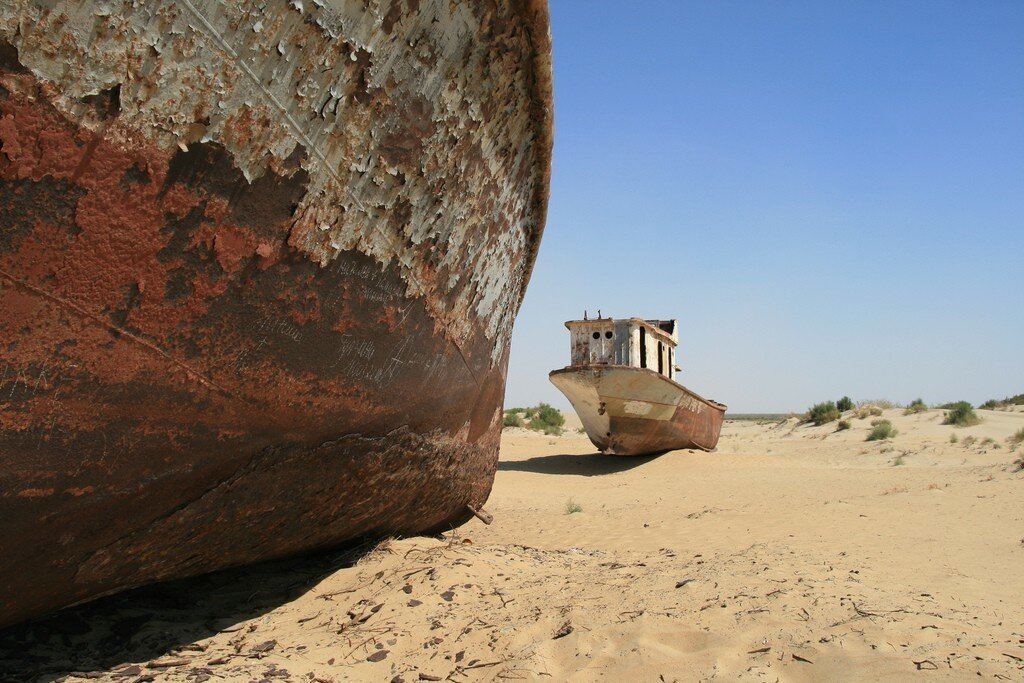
x=822, y=413
x=842, y=426
x=844, y=404
x=916, y=406
x=993, y=404
x=572, y=507
x=882, y=429
x=961, y=414
x=512, y=418
x=545, y=418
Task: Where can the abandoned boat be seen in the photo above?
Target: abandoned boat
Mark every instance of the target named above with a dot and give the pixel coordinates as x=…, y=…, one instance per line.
x=259, y=267
x=622, y=385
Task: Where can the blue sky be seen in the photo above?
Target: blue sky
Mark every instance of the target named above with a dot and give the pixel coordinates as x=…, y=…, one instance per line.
x=828, y=196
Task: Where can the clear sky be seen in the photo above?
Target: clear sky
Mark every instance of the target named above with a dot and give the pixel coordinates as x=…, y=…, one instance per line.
x=829, y=196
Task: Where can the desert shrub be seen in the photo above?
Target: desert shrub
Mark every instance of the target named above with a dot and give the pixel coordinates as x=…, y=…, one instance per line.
x=842, y=426
x=953, y=438
x=572, y=507
x=1017, y=439
x=961, y=414
x=898, y=460
x=883, y=403
x=916, y=406
x=512, y=419
x=993, y=404
x=868, y=410
x=822, y=413
x=969, y=441
x=545, y=418
x=844, y=404
x=882, y=429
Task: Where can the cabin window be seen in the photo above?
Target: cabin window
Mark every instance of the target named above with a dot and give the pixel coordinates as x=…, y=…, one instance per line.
x=643, y=347
x=608, y=334
x=597, y=335
x=661, y=358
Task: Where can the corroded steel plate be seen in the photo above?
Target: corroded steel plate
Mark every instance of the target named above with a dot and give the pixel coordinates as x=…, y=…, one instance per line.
x=637, y=411
x=259, y=266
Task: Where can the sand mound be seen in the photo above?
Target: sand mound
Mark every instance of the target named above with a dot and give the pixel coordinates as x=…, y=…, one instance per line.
x=793, y=553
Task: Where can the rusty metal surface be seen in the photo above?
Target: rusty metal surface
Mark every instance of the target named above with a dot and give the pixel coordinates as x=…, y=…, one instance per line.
x=259, y=266
x=637, y=411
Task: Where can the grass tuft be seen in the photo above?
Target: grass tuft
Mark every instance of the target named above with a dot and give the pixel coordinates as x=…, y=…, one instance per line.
x=867, y=410
x=572, y=507
x=882, y=403
x=882, y=429
x=843, y=425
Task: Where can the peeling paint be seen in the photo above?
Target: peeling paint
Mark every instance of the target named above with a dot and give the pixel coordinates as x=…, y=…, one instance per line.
x=253, y=238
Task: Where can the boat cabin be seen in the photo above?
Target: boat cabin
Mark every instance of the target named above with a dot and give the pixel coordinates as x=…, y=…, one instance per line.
x=629, y=341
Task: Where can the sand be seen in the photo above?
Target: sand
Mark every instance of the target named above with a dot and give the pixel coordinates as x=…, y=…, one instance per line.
x=794, y=552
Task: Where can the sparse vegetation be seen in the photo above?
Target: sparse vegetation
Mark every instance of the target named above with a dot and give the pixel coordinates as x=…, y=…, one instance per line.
x=882, y=429
x=916, y=406
x=822, y=413
x=960, y=414
x=883, y=403
x=993, y=404
x=513, y=418
x=867, y=410
x=843, y=425
x=898, y=460
x=546, y=418
x=844, y=404
x=969, y=441
x=572, y=507
x=953, y=438
x=542, y=418
x=1017, y=439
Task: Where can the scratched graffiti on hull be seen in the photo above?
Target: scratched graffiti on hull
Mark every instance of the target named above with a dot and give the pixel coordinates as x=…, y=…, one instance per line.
x=236, y=234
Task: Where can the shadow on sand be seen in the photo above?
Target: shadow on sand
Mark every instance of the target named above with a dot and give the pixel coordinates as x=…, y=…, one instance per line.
x=586, y=465
x=158, y=621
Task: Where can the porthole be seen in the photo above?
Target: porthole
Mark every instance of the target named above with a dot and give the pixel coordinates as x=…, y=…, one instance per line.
x=608, y=334
x=597, y=335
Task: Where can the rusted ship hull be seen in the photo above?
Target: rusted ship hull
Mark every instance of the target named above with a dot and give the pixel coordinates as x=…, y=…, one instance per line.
x=635, y=411
x=259, y=266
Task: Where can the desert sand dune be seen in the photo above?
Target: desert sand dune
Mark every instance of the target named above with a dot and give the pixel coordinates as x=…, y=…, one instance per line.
x=794, y=552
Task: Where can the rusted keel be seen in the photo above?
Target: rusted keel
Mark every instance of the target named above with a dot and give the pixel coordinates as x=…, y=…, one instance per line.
x=259, y=266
